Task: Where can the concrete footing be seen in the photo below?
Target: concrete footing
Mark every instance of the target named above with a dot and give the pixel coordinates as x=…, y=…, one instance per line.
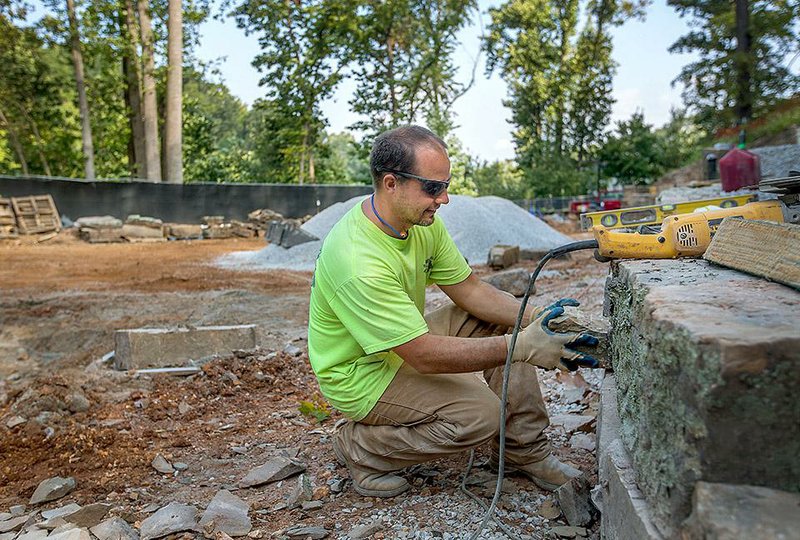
x=163, y=347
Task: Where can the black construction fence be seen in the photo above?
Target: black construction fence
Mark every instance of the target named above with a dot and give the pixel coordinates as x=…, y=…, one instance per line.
x=178, y=203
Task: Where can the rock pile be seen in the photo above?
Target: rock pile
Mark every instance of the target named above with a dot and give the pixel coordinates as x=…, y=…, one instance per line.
x=476, y=224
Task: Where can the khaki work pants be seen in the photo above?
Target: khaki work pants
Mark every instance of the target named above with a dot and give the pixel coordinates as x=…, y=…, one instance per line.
x=422, y=417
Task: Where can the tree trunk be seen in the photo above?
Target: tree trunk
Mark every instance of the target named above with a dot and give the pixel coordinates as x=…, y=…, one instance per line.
x=83, y=102
x=149, y=109
x=173, y=128
x=131, y=66
x=744, y=98
x=15, y=143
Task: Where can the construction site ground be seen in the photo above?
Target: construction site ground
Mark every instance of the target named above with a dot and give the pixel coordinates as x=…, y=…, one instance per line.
x=62, y=300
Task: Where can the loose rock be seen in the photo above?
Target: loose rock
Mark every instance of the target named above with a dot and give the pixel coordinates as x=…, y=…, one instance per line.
x=173, y=518
x=52, y=489
x=307, y=532
x=61, y=511
x=115, y=529
x=13, y=524
x=228, y=514
x=88, y=516
x=365, y=531
x=274, y=470
x=71, y=534
x=574, y=500
x=570, y=532
x=163, y=466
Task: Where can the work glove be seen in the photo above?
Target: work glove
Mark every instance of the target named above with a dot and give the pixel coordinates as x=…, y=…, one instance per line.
x=537, y=344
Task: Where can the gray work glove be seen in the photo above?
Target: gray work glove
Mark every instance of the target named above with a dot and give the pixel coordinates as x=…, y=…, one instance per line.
x=537, y=344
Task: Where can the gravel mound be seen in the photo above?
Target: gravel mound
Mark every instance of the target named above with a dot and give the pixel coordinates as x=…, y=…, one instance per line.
x=476, y=224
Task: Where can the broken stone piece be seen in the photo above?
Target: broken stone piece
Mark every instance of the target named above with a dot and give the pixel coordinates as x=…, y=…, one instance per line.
x=570, y=532
x=583, y=441
x=13, y=524
x=514, y=282
x=307, y=532
x=17, y=509
x=573, y=422
x=15, y=421
x=61, y=511
x=88, y=516
x=33, y=534
x=228, y=513
x=114, y=529
x=71, y=534
x=302, y=492
x=52, y=489
x=173, y=518
x=549, y=509
x=575, y=503
x=274, y=470
x=365, y=531
x=160, y=464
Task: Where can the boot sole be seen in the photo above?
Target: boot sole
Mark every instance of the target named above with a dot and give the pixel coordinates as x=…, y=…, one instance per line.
x=368, y=492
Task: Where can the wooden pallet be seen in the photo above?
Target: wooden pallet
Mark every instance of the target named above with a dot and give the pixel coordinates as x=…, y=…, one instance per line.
x=36, y=214
x=8, y=223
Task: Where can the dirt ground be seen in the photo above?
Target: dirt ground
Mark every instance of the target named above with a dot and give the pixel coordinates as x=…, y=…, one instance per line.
x=60, y=302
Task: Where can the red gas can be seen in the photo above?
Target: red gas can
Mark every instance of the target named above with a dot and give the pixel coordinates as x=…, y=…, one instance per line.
x=739, y=168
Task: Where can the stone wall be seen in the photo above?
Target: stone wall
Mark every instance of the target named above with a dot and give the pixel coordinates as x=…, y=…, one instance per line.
x=707, y=365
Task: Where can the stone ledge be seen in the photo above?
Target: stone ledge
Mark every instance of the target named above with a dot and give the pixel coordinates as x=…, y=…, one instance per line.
x=707, y=364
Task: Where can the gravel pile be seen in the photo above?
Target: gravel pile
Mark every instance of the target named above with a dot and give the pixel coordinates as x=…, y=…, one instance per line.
x=476, y=224
x=777, y=161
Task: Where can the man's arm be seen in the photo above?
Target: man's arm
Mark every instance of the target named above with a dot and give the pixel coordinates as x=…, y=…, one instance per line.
x=443, y=354
x=486, y=302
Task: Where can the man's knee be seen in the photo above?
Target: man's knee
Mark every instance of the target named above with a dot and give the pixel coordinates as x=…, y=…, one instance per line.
x=484, y=423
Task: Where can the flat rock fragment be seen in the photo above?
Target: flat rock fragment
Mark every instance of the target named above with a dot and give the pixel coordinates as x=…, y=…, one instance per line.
x=52, y=489
x=114, y=529
x=173, y=518
x=228, y=514
x=274, y=470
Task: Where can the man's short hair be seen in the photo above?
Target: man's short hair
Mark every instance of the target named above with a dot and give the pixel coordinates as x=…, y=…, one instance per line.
x=396, y=150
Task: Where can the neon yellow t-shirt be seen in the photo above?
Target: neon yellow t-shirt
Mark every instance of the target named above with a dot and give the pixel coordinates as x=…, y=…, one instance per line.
x=367, y=296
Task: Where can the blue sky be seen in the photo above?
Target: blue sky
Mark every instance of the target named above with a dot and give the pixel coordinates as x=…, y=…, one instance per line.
x=643, y=78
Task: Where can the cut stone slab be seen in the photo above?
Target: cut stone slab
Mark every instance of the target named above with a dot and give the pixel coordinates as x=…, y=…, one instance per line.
x=707, y=366
x=88, y=516
x=274, y=470
x=98, y=222
x=514, y=282
x=576, y=320
x=729, y=512
x=228, y=514
x=173, y=518
x=52, y=489
x=101, y=236
x=564, y=531
x=164, y=347
x=115, y=529
x=503, y=256
x=185, y=232
x=142, y=232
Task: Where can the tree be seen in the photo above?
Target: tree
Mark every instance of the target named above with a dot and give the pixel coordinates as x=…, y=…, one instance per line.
x=404, y=67
x=559, y=80
x=149, y=109
x=83, y=103
x=719, y=85
x=635, y=154
x=172, y=130
x=304, y=48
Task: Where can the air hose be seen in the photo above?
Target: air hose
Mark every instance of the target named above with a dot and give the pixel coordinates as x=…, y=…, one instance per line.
x=531, y=289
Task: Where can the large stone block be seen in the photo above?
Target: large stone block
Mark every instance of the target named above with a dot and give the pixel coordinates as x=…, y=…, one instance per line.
x=163, y=347
x=707, y=364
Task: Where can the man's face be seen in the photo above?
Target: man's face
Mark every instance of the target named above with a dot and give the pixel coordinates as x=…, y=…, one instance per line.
x=413, y=205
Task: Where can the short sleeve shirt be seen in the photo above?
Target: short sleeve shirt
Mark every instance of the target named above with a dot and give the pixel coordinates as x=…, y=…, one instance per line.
x=368, y=296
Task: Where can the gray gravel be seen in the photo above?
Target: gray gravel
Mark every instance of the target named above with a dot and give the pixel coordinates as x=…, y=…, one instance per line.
x=777, y=161
x=476, y=224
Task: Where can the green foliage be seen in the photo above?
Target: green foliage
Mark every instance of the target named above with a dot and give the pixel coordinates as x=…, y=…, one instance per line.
x=711, y=81
x=404, y=68
x=342, y=161
x=559, y=79
x=634, y=154
x=500, y=178
x=318, y=409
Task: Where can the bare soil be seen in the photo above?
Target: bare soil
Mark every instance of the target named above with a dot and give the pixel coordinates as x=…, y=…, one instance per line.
x=61, y=301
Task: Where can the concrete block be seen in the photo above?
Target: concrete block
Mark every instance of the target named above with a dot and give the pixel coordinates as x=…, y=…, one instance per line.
x=731, y=512
x=707, y=365
x=164, y=347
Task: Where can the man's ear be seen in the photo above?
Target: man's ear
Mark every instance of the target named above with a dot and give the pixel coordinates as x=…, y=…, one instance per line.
x=389, y=182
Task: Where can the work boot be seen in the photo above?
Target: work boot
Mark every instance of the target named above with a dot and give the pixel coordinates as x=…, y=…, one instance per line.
x=548, y=474
x=369, y=482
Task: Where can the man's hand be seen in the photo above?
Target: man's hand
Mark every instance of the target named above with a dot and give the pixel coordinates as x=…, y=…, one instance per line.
x=540, y=346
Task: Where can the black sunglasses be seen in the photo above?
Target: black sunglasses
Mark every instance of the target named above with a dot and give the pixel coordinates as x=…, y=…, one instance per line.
x=434, y=188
